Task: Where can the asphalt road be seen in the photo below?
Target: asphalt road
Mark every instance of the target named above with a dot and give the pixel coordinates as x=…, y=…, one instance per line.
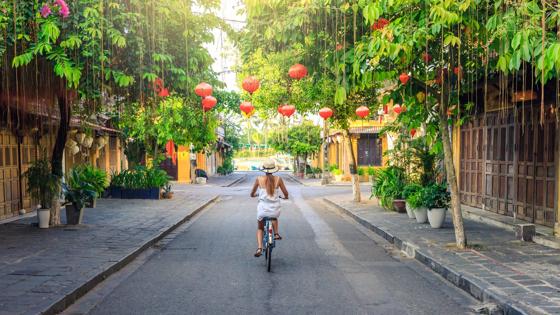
x=326, y=264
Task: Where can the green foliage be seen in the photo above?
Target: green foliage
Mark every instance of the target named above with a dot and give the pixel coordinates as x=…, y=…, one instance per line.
x=140, y=177
x=410, y=189
x=42, y=185
x=389, y=185
x=78, y=189
x=417, y=199
x=361, y=171
x=95, y=177
x=436, y=196
x=303, y=140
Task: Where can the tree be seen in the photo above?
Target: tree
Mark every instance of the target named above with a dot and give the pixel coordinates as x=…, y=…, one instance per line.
x=302, y=141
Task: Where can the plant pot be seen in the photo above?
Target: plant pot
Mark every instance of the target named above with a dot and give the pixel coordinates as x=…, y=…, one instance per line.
x=338, y=178
x=364, y=179
x=44, y=216
x=73, y=215
x=200, y=180
x=421, y=214
x=115, y=192
x=167, y=195
x=399, y=205
x=436, y=217
x=410, y=212
x=91, y=203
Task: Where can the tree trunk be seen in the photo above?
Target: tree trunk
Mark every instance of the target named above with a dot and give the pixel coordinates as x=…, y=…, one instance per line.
x=326, y=174
x=356, y=193
x=460, y=237
x=58, y=154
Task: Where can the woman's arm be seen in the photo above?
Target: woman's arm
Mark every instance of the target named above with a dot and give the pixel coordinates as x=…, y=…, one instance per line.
x=282, y=187
x=255, y=187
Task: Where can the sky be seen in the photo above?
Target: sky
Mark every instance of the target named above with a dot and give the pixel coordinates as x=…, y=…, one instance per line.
x=223, y=51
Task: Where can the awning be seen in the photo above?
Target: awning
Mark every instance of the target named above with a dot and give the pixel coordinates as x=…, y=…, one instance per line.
x=365, y=129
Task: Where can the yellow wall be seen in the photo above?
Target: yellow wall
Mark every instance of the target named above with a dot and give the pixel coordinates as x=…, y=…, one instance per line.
x=183, y=164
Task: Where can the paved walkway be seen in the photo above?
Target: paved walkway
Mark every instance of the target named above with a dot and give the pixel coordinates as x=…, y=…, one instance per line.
x=42, y=270
x=524, y=278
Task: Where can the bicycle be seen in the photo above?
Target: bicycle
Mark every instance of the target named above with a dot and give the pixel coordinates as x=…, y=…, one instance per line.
x=268, y=240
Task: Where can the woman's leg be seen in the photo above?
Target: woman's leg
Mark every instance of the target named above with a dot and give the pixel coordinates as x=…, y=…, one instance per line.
x=260, y=228
x=275, y=226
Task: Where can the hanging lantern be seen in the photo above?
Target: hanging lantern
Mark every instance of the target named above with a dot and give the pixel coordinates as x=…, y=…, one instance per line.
x=385, y=109
x=288, y=110
x=325, y=113
x=203, y=89
x=426, y=57
x=412, y=132
x=398, y=109
x=163, y=93
x=404, y=77
x=246, y=107
x=362, y=111
x=208, y=103
x=250, y=84
x=280, y=109
x=297, y=71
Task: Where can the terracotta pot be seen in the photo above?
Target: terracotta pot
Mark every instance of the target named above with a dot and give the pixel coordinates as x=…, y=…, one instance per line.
x=399, y=205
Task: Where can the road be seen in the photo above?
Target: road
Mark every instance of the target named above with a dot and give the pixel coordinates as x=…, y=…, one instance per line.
x=326, y=264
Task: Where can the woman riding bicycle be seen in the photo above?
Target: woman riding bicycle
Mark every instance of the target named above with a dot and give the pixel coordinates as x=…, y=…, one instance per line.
x=266, y=188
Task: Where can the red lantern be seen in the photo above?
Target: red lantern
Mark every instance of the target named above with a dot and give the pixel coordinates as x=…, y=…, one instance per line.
x=208, y=103
x=246, y=107
x=362, y=111
x=157, y=85
x=163, y=92
x=404, y=78
x=170, y=151
x=203, y=89
x=339, y=47
x=325, y=112
x=288, y=110
x=280, y=109
x=398, y=109
x=251, y=84
x=412, y=132
x=385, y=109
x=297, y=71
x=426, y=57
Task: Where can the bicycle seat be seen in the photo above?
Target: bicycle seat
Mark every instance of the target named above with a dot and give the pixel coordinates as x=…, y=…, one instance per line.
x=269, y=219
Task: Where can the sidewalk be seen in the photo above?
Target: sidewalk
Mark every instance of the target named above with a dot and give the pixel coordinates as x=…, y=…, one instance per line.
x=43, y=271
x=317, y=182
x=521, y=277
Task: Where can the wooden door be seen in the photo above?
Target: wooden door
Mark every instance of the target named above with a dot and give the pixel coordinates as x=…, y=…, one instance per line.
x=29, y=153
x=499, y=136
x=369, y=150
x=9, y=175
x=471, y=162
x=535, y=169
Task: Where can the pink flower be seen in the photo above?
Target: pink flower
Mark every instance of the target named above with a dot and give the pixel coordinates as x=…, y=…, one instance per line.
x=64, y=10
x=45, y=11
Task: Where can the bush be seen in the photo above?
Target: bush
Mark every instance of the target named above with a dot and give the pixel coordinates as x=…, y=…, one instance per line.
x=333, y=167
x=389, y=185
x=417, y=199
x=42, y=185
x=336, y=171
x=96, y=178
x=410, y=189
x=436, y=196
x=361, y=171
x=140, y=177
x=371, y=171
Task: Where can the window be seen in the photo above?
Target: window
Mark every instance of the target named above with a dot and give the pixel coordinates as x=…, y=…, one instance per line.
x=370, y=149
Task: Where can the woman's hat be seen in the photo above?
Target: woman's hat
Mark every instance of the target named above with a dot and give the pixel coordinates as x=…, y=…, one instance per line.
x=269, y=167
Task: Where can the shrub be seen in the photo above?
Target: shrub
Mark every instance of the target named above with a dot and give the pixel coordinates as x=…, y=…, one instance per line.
x=371, y=171
x=436, y=196
x=410, y=189
x=361, y=171
x=336, y=171
x=95, y=177
x=389, y=185
x=42, y=185
x=140, y=177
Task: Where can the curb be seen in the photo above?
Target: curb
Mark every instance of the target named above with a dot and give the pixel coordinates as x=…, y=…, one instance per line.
x=295, y=179
x=80, y=291
x=236, y=181
x=469, y=285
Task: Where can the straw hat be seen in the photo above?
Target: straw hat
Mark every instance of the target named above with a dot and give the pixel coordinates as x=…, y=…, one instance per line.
x=269, y=167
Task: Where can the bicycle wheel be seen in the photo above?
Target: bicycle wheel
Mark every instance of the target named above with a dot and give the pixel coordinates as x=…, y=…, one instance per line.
x=268, y=257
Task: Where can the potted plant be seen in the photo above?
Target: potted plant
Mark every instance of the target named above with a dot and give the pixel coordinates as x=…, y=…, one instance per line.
x=416, y=202
x=436, y=198
x=389, y=187
x=362, y=174
x=408, y=192
x=117, y=184
x=371, y=174
x=42, y=185
x=337, y=173
x=167, y=193
x=76, y=192
x=95, y=177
